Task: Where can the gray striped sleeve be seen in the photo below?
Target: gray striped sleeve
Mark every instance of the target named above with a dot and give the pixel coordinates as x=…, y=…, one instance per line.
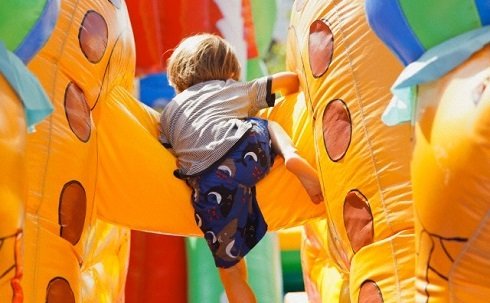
x=260, y=94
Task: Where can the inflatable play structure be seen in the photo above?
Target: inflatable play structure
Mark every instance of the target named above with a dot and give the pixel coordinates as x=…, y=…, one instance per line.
x=443, y=94
x=84, y=170
x=82, y=165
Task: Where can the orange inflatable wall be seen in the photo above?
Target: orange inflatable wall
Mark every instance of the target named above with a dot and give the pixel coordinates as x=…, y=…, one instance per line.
x=13, y=191
x=364, y=252
x=443, y=94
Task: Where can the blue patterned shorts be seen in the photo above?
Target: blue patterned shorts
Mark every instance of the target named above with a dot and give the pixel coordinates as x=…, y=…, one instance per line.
x=224, y=197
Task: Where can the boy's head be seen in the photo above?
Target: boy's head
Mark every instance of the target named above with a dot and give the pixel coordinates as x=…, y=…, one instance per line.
x=201, y=58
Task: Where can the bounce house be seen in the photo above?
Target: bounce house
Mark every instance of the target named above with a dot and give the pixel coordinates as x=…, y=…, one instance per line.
x=393, y=111
x=87, y=183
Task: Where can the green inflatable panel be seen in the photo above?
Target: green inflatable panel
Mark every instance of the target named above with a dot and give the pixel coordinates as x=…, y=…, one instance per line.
x=264, y=14
x=256, y=68
x=13, y=30
x=292, y=273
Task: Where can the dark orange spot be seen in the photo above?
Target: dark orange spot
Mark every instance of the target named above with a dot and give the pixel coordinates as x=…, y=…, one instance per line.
x=320, y=47
x=72, y=211
x=337, y=129
x=370, y=293
x=93, y=36
x=77, y=112
x=59, y=291
x=358, y=220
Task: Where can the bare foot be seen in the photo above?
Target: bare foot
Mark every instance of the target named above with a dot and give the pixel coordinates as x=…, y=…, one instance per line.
x=307, y=176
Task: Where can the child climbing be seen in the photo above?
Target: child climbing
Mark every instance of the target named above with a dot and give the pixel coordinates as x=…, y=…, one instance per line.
x=223, y=150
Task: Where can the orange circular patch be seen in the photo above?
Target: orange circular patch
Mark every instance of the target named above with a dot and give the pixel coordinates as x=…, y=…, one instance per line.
x=93, y=36
x=77, y=112
x=72, y=211
x=337, y=129
x=358, y=220
x=320, y=47
x=370, y=293
x=59, y=291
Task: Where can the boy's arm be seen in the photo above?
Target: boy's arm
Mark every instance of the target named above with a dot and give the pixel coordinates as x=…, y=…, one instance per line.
x=285, y=83
x=262, y=91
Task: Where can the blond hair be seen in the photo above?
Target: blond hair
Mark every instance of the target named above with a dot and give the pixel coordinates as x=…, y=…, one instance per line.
x=200, y=58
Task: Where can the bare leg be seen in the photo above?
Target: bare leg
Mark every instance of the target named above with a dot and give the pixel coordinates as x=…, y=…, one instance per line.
x=295, y=163
x=234, y=281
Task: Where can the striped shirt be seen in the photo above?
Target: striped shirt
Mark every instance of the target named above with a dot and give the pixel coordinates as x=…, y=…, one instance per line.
x=202, y=123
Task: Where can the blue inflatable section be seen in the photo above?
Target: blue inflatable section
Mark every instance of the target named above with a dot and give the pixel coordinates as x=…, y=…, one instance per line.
x=40, y=32
x=155, y=90
x=388, y=21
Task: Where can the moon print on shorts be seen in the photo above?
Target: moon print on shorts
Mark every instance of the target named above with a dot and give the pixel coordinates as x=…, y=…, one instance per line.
x=224, y=199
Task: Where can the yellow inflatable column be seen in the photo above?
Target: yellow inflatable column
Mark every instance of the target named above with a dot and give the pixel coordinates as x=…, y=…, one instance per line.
x=13, y=191
x=23, y=104
x=346, y=73
x=323, y=280
x=443, y=92
x=90, y=52
x=451, y=182
x=106, y=264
